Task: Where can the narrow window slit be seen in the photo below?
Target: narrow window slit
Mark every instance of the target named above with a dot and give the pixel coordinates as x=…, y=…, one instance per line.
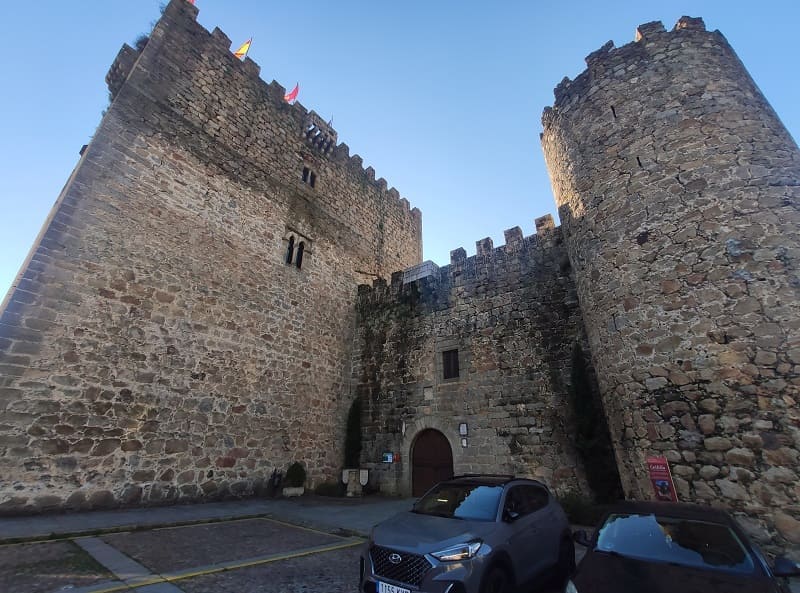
x=309, y=177
x=300, y=248
x=614, y=112
x=290, y=250
x=638, y=160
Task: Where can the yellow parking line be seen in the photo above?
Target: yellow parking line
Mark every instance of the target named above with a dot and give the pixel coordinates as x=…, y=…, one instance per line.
x=259, y=561
x=44, y=540
x=311, y=529
x=215, y=569
x=209, y=522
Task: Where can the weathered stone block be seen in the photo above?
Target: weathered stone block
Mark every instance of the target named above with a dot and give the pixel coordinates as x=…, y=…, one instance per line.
x=717, y=444
x=104, y=447
x=731, y=490
x=739, y=456
x=175, y=446
x=788, y=526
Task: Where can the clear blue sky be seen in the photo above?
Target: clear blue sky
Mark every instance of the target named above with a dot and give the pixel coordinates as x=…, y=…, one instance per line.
x=443, y=98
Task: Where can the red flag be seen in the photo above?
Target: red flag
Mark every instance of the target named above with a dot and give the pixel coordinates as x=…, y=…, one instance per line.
x=190, y=1
x=289, y=97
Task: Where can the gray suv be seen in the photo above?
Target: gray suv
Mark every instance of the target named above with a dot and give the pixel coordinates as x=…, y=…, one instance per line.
x=471, y=534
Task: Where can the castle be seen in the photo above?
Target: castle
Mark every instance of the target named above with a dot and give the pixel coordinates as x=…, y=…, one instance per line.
x=220, y=280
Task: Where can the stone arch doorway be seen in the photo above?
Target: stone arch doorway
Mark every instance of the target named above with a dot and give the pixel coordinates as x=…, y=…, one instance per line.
x=431, y=461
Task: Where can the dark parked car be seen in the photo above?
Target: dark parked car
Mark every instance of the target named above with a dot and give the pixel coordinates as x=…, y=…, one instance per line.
x=666, y=547
x=470, y=534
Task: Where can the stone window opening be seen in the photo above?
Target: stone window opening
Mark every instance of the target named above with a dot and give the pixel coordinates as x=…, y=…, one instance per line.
x=298, y=248
x=290, y=251
x=450, y=368
x=309, y=177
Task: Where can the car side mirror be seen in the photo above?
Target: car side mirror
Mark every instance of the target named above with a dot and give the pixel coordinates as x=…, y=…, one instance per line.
x=510, y=516
x=582, y=538
x=783, y=567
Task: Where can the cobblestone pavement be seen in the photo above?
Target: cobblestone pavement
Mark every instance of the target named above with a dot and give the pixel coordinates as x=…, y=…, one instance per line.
x=45, y=567
x=258, y=555
x=181, y=548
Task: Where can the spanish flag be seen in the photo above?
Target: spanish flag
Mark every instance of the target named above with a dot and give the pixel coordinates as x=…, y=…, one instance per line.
x=241, y=53
x=291, y=96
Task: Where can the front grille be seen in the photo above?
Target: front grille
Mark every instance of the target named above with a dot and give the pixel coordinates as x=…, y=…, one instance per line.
x=411, y=569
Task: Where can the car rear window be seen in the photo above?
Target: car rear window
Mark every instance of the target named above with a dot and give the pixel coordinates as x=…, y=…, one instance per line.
x=670, y=539
x=462, y=501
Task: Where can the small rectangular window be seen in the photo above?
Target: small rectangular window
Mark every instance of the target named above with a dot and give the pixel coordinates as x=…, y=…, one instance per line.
x=450, y=364
x=306, y=172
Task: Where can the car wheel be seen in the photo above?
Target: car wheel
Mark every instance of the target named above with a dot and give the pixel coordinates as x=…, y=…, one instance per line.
x=496, y=581
x=566, y=562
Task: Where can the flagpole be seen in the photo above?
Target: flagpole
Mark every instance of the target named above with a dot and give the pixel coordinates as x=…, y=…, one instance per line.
x=247, y=51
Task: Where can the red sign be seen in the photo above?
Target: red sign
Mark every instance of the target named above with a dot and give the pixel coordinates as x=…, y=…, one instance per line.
x=661, y=479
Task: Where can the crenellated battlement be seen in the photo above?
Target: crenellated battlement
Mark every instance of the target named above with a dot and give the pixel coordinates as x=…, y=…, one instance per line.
x=542, y=250
x=649, y=43
x=253, y=107
x=546, y=230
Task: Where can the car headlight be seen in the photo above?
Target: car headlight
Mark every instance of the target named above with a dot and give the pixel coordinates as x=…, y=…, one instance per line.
x=570, y=588
x=458, y=552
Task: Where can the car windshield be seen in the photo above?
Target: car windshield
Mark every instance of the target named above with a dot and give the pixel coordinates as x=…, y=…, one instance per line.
x=679, y=541
x=461, y=501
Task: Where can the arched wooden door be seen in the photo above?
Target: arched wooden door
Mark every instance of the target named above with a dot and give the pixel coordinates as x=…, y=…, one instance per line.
x=431, y=461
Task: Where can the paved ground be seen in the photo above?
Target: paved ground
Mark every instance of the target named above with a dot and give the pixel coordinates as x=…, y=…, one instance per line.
x=45, y=567
x=300, y=545
x=356, y=515
x=308, y=545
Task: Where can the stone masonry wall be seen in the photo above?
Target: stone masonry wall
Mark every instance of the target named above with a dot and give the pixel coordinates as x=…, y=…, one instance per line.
x=678, y=192
x=512, y=314
x=157, y=346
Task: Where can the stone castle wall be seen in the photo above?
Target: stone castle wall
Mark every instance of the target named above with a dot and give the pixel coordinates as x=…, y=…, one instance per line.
x=157, y=346
x=512, y=314
x=677, y=188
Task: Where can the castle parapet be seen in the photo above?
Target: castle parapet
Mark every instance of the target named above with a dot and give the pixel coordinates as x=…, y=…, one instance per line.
x=540, y=249
x=484, y=247
x=423, y=270
x=534, y=264
x=181, y=62
x=646, y=30
x=545, y=223
x=120, y=69
x=611, y=59
x=513, y=238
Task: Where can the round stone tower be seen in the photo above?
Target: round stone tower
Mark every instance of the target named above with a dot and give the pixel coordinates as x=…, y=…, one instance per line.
x=679, y=194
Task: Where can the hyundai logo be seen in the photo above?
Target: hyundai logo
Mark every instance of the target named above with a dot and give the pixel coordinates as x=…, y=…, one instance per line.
x=395, y=558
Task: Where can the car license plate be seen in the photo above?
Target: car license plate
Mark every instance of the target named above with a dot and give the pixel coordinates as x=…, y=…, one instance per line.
x=387, y=588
